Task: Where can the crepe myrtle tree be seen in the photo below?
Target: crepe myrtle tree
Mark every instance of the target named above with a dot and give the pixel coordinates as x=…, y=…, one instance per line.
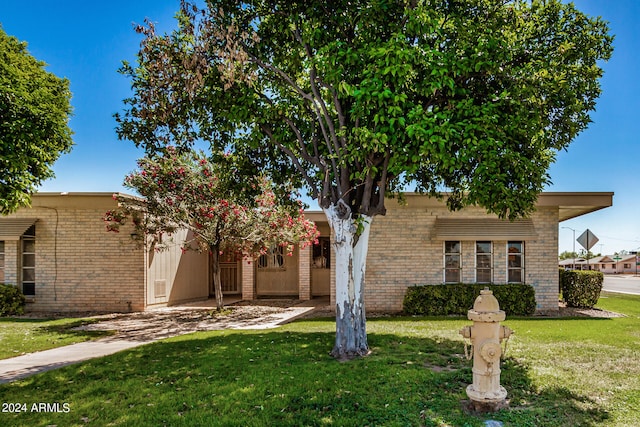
x=186, y=190
x=365, y=98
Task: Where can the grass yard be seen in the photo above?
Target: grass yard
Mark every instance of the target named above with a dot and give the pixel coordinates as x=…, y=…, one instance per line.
x=27, y=335
x=558, y=372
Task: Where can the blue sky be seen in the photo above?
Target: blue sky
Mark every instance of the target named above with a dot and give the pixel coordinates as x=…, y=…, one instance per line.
x=85, y=41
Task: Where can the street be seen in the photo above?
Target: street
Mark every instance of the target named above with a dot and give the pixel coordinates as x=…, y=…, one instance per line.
x=627, y=283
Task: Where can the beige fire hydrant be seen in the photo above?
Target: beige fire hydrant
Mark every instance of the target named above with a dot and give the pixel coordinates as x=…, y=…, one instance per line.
x=486, y=336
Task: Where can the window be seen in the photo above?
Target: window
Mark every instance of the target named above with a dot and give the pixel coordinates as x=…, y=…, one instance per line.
x=1, y=261
x=322, y=253
x=515, y=262
x=274, y=258
x=604, y=266
x=484, y=262
x=613, y=266
x=452, y=263
x=28, y=246
x=626, y=266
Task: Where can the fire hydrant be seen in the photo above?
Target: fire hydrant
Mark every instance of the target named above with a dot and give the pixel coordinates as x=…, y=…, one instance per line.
x=486, y=335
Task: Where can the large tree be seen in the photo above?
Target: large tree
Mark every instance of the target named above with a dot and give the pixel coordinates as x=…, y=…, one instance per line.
x=224, y=212
x=363, y=98
x=34, y=131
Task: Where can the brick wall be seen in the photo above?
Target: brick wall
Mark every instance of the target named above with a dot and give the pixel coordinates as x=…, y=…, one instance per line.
x=403, y=253
x=248, y=279
x=80, y=266
x=304, y=275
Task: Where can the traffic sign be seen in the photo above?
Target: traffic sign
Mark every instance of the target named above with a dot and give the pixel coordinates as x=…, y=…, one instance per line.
x=587, y=239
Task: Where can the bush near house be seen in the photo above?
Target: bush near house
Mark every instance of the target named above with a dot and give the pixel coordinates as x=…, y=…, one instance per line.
x=12, y=300
x=458, y=298
x=581, y=288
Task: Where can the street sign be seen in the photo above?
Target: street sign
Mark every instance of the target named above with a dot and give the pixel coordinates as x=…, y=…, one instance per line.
x=587, y=239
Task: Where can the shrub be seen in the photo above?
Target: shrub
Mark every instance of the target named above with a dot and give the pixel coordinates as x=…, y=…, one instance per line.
x=12, y=300
x=581, y=288
x=457, y=299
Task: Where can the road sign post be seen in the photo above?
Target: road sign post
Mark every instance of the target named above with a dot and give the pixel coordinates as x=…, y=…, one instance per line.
x=587, y=240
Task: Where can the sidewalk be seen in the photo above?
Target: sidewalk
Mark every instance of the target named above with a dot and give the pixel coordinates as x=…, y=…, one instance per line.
x=137, y=329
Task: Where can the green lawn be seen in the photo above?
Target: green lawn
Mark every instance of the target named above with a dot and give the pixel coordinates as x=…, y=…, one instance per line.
x=25, y=335
x=558, y=372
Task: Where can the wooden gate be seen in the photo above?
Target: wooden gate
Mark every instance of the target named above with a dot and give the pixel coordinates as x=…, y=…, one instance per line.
x=229, y=276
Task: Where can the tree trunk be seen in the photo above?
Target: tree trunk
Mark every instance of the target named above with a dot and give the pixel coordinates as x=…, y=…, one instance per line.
x=350, y=264
x=215, y=273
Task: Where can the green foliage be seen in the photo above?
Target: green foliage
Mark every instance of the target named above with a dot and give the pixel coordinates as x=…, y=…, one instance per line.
x=568, y=255
x=12, y=300
x=362, y=98
x=34, y=113
x=457, y=299
x=581, y=288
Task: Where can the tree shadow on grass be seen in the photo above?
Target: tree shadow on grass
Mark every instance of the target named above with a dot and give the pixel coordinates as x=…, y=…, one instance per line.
x=58, y=327
x=283, y=377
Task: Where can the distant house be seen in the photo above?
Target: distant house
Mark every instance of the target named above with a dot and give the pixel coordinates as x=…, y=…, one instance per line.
x=608, y=264
x=60, y=255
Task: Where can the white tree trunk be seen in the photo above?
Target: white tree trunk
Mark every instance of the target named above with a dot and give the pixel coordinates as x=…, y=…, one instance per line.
x=350, y=265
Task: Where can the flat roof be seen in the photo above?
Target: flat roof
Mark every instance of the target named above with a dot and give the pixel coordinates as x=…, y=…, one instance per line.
x=570, y=204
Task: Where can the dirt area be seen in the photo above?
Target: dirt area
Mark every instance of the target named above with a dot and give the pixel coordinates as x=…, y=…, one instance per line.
x=585, y=312
x=163, y=323
x=261, y=314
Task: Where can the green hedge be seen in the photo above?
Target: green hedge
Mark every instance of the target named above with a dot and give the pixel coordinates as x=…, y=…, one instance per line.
x=457, y=299
x=11, y=300
x=581, y=288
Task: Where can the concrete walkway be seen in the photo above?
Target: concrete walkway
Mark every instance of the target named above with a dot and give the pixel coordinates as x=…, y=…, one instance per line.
x=137, y=329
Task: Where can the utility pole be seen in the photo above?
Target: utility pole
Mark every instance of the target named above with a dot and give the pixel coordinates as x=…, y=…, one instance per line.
x=574, y=246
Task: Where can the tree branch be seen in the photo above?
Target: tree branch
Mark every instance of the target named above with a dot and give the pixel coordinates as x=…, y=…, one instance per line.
x=293, y=158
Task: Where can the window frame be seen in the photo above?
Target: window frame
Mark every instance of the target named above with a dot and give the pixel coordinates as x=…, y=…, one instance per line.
x=321, y=254
x=484, y=255
x=28, y=236
x=447, y=254
x=522, y=266
x=274, y=259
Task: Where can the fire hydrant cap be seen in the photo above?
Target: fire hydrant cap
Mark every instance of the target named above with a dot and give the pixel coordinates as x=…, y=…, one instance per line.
x=486, y=302
x=486, y=308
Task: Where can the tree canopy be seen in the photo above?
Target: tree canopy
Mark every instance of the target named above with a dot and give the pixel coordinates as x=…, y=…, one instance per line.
x=34, y=131
x=365, y=97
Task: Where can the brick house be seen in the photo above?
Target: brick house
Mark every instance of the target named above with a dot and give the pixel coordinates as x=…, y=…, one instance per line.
x=60, y=254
